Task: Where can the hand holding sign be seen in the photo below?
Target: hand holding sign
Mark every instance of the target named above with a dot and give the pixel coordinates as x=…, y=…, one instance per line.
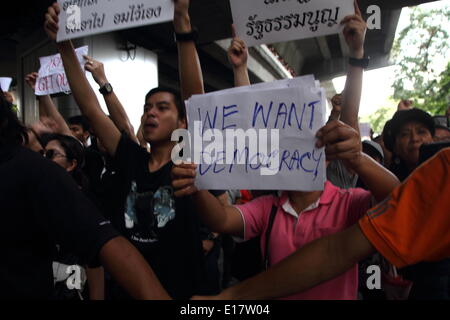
x=181, y=19
x=31, y=79
x=181, y=7
x=183, y=178
x=97, y=70
x=355, y=33
x=342, y=143
x=237, y=52
x=52, y=20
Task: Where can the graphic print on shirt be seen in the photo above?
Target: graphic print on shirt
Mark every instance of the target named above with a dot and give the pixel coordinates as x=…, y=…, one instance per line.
x=146, y=213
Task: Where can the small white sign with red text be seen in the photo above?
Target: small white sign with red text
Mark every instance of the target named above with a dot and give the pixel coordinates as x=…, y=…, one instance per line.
x=52, y=78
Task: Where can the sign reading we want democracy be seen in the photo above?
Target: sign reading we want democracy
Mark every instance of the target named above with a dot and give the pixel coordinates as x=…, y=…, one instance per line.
x=271, y=21
x=259, y=137
x=80, y=18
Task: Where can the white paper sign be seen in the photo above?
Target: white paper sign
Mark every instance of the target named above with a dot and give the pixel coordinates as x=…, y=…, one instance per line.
x=83, y=18
x=271, y=21
x=268, y=138
x=52, y=78
x=5, y=83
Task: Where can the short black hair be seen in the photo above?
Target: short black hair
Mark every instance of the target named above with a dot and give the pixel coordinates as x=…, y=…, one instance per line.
x=176, y=97
x=80, y=121
x=12, y=131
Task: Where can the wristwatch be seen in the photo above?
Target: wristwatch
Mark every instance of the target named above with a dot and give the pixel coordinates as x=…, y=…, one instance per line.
x=106, y=89
x=362, y=63
x=211, y=236
x=185, y=37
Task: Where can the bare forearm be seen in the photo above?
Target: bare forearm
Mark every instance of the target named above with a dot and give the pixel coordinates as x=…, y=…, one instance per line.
x=211, y=211
x=131, y=271
x=79, y=85
x=351, y=97
x=48, y=109
x=241, y=77
x=318, y=261
x=191, y=77
x=119, y=115
x=96, y=282
x=41, y=103
x=87, y=101
x=378, y=179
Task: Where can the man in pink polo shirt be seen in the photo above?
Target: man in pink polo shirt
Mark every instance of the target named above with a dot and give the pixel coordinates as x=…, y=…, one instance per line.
x=335, y=210
x=301, y=217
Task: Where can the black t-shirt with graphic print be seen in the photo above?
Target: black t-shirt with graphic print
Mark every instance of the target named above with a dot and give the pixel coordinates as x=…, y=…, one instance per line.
x=163, y=228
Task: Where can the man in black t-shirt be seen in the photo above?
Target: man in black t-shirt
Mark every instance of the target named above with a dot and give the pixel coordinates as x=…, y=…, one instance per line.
x=41, y=206
x=163, y=228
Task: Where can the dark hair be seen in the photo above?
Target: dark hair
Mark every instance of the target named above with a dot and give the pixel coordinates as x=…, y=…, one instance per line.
x=74, y=150
x=80, y=121
x=176, y=97
x=12, y=131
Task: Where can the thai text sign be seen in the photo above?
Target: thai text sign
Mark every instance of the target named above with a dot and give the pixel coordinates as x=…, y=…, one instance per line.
x=270, y=21
x=80, y=18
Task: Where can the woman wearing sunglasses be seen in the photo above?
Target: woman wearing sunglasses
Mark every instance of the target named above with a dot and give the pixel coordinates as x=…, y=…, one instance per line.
x=68, y=153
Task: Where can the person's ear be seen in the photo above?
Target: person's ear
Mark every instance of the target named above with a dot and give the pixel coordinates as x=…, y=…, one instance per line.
x=72, y=165
x=86, y=135
x=182, y=124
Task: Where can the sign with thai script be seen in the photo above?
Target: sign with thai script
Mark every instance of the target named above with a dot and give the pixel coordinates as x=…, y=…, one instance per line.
x=52, y=77
x=271, y=21
x=79, y=18
x=259, y=137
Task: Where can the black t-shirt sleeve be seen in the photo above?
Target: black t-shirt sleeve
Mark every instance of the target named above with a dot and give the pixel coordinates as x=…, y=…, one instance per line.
x=68, y=216
x=127, y=154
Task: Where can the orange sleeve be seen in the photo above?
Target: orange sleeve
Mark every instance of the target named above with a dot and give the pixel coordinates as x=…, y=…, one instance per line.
x=413, y=225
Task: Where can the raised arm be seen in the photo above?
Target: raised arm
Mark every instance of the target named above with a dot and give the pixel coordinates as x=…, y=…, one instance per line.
x=191, y=77
x=116, y=110
x=238, y=56
x=215, y=215
x=344, y=143
x=85, y=97
x=354, y=34
x=47, y=108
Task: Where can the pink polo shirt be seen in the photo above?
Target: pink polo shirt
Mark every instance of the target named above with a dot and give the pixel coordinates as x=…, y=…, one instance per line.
x=336, y=210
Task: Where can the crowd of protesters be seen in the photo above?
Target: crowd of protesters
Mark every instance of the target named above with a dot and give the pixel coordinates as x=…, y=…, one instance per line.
x=95, y=193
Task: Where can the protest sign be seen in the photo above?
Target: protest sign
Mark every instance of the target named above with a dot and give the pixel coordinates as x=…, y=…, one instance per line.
x=262, y=138
x=270, y=21
x=5, y=83
x=52, y=78
x=80, y=18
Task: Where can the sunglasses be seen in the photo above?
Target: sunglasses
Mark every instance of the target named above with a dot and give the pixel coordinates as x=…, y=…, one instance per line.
x=51, y=154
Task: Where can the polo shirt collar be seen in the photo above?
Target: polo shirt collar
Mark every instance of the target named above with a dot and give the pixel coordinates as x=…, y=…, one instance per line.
x=326, y=198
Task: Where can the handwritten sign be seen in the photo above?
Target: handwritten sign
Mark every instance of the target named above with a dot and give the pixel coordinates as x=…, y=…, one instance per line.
x=271, y=21
x=5, y=83
x=83, y=18
x=52, y=78
x=261, y=139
